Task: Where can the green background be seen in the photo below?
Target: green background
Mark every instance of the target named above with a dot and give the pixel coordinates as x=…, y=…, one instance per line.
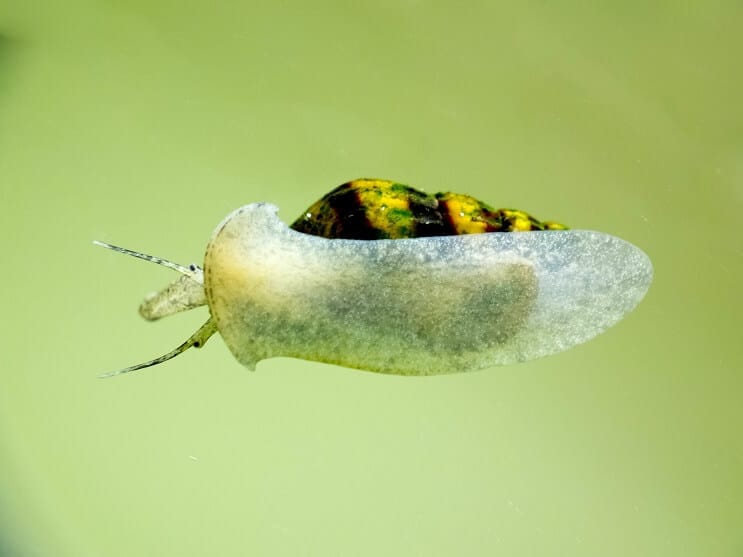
x=144, y=123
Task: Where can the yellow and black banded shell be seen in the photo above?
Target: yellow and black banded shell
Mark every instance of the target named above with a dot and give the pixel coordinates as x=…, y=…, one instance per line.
x=371, y=209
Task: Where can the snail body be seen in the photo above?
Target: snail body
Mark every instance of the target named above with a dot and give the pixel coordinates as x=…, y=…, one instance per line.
x=422, y=291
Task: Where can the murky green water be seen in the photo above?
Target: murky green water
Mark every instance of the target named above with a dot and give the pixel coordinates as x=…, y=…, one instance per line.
x=144, y=123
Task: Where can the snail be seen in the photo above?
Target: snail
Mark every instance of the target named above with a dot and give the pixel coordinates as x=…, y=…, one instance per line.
x=382, y=277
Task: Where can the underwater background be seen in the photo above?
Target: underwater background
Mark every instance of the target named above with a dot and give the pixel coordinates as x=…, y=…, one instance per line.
x=143, y=123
